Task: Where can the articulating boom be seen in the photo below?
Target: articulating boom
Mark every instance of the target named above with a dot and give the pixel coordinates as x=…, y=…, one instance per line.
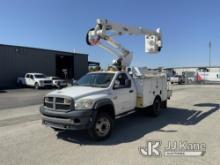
x=106, y=30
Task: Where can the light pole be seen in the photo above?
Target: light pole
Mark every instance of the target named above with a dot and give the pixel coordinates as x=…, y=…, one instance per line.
x=210, y=46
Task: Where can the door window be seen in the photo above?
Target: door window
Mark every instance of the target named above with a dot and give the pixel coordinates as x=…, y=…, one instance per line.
x=122, y=81
x=32, y=77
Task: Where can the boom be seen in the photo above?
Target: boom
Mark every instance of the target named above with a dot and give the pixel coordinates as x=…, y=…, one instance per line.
x=106, y=30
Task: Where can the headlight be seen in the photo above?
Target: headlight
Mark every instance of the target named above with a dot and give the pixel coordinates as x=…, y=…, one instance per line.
x=84, y=104
x=41, y=81
x=67, y=101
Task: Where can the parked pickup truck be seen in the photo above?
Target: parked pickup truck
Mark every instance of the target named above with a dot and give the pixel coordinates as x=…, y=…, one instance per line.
x=101, y=97
x=58, y=82
x=36, y=80
x=177, y=79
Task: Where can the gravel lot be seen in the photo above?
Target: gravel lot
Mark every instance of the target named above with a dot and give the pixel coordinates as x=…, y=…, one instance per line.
x=193, y=116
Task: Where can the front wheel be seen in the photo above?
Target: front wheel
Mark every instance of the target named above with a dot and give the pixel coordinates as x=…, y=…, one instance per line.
x=102, y=127
x=36, y=85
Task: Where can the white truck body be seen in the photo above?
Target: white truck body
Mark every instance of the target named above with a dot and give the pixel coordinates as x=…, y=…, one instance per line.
x=150, y=86
x=144, y=90
x=36, y=80
x=77, y=107
x=102, y=97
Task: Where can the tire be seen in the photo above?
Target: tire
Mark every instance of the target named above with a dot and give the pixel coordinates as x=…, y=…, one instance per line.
x=156, y=107
x=102, y=127
x=36, y=86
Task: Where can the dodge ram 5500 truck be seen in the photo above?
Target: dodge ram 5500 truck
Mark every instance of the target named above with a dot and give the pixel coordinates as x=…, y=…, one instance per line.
x=99, y=98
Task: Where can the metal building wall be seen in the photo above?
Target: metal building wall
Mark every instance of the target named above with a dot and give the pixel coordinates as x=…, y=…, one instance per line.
x=16, y=61
x=80, y=65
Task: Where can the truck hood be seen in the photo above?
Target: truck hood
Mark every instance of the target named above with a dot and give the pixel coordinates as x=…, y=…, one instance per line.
x=76, y=92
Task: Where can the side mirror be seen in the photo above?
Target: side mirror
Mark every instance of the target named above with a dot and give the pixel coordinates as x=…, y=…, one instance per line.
x=116, y=84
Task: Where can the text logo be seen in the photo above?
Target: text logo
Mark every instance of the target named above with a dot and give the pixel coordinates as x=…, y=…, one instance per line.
x=152, y=148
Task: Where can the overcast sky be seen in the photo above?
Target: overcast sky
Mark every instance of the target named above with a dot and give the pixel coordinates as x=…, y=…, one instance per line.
x=187, y=26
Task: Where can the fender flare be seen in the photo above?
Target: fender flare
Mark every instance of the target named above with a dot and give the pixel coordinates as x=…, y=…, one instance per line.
x=97, y=105
x=102, y=102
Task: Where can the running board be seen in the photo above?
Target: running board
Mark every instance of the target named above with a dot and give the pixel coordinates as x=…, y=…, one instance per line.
x=124, y=114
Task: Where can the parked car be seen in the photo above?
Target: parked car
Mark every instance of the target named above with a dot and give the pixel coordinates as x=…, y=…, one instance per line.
x=58, y=82
x=177, y=79
x=36, y=80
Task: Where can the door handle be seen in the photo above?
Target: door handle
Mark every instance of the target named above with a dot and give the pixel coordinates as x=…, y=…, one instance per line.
x=131, y=91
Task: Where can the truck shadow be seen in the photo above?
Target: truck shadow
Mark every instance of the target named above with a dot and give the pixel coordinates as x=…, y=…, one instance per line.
x=137, y=125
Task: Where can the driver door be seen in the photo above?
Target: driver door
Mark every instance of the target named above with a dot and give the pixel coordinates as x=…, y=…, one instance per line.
x=124, y=95
x=31, y=80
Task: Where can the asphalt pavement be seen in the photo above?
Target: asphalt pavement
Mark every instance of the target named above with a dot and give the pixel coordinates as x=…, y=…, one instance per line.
x=192, y=116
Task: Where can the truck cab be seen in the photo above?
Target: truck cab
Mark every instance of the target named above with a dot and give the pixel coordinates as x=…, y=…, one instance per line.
x=96, y=100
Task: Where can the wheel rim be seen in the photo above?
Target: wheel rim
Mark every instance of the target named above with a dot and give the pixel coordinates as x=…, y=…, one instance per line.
x=102, y=126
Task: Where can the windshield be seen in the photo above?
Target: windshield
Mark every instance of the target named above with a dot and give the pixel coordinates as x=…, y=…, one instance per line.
x=101, y=80
x=39, y=76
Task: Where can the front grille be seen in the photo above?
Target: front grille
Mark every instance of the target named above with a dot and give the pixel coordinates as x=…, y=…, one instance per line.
x=59, y=100
x=47, y=81
x=62, y=106
x=50, y=99
x=59, y=104
x=49, y=105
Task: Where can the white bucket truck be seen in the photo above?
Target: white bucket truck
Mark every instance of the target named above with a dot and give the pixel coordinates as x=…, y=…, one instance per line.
x=99, y=98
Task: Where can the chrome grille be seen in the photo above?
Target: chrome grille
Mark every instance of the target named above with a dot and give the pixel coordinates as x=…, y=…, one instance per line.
x=62, y=106
x=47, y=81
x=50, y=99
x=49, y=105
x=59, y=100
x=59, y=104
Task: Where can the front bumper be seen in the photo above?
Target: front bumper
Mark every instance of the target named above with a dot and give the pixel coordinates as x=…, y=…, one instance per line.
x=60, y=85
x=45, y=84
x=71, y=120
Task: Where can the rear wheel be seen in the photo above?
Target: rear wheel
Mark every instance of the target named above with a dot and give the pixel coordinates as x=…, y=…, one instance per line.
x=102, y=127
x=156, y=107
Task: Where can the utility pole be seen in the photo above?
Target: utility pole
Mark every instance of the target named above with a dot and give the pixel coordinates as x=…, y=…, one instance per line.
x=210, y=46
